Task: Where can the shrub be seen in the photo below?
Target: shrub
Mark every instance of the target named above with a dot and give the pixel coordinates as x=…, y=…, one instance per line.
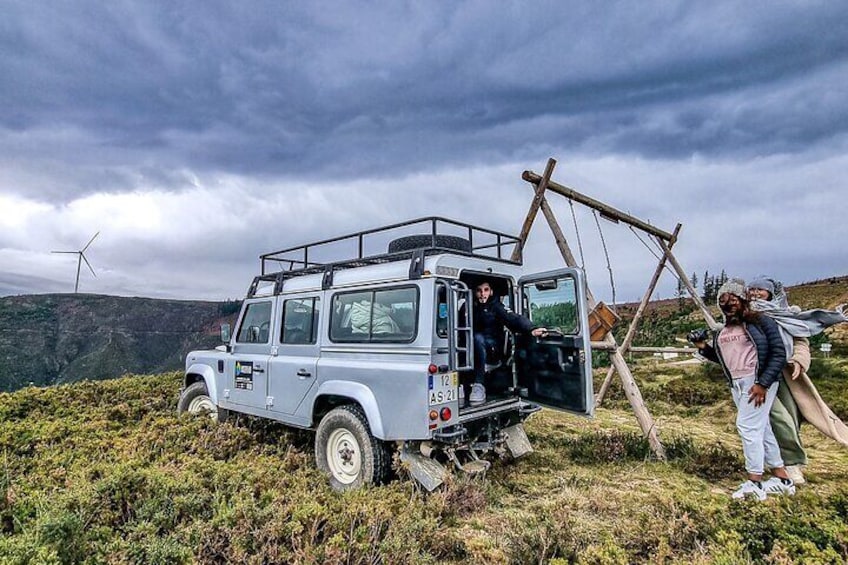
x=607, y=447
x=712, y=461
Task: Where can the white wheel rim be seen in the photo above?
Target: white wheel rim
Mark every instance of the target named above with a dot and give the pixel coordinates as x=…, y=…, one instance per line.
x=344, y=457
x=201, y=404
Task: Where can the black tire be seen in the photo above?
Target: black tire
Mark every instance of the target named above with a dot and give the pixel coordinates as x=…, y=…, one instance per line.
x=346, y=451
x=418, y=241
x=195, y=399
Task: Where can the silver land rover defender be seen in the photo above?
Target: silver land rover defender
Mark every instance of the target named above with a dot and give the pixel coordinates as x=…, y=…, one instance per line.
x=374, y=351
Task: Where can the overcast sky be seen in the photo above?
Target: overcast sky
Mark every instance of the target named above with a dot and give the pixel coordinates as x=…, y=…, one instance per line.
x=195, y=136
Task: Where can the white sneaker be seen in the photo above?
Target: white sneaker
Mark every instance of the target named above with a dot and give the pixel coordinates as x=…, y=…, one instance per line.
x=796, y=473
x=478, y=394
x=776, y=486
x=750, y=488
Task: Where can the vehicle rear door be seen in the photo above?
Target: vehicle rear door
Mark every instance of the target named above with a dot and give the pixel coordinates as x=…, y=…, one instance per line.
x=556, y=371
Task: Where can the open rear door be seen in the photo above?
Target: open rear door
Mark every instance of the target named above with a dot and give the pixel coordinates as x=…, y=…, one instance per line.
x=556, y=370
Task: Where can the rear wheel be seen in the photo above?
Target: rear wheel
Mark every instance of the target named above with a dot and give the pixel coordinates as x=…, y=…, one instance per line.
x=195, y=399
x=346, y=451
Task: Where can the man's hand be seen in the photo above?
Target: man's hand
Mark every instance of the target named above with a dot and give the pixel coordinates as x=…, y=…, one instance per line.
x=796, y=368
x=540, y=332
x=757, y=395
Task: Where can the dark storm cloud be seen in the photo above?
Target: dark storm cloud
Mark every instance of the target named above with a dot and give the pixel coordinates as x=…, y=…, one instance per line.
x=124, y=95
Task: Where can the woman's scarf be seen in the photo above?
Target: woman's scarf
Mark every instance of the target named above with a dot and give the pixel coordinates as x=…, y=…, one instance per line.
x=793, y=321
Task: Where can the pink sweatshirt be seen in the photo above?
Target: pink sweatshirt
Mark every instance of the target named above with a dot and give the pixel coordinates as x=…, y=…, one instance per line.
x=738, y=351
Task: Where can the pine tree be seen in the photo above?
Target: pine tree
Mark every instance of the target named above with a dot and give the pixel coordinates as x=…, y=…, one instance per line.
x=708, y=285
x=681, y=294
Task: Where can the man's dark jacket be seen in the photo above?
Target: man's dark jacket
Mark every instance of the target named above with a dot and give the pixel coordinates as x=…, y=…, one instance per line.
x=491, y=317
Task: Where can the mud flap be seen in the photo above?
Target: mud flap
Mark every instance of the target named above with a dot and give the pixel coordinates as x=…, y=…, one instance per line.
x=517, y=442
x=428, y=472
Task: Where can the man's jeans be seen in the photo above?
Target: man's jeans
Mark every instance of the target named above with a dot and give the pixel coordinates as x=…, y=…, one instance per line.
x=758, y=441
x=482, y=345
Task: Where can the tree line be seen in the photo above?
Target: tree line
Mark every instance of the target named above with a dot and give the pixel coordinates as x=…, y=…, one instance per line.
x=709, y=287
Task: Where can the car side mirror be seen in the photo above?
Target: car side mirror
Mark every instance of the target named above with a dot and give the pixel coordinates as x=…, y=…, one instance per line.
x=225, y=333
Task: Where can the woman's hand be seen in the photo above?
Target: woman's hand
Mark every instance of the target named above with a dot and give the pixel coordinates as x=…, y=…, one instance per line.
x=796, y=368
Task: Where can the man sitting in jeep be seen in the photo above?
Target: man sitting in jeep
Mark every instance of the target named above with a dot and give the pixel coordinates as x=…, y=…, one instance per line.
x=489, y=317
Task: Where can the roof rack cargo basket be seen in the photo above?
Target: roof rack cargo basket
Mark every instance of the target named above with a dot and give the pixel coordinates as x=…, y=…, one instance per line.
x=426, y=236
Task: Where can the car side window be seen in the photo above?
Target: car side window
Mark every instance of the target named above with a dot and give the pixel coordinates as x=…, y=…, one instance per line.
x=441, y=310
x=300, y=320
x=385, y=315
x=256, y=324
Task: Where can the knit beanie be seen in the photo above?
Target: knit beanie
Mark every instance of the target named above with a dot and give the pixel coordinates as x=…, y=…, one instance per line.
x=733, y=286
x=762, y=283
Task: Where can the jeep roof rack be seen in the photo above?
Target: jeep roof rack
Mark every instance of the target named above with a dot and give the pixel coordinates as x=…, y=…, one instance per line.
x=405, y=240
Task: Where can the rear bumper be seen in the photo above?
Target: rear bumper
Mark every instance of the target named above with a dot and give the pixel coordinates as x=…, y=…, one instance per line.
x=484, y=423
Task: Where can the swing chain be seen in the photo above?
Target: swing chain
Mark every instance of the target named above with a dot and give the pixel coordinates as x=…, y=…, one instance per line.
x=577, y=231
x=606, y=254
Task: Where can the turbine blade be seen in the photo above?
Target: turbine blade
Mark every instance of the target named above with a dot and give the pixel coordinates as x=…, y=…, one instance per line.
x=64, y=252
x=89, y=243
x=88, y=264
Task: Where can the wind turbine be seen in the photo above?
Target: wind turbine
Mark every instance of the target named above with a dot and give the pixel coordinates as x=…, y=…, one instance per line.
x=81, y=257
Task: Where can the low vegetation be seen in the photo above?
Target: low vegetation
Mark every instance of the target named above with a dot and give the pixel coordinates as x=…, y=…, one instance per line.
x=106, y=472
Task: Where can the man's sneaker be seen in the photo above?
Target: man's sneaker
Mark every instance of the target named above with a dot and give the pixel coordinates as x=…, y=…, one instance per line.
x=750, y=488
x=478, y=394
x=795, y=473
x=776, y=485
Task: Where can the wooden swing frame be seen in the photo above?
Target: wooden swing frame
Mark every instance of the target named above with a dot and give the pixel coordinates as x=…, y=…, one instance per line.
x=665, y=241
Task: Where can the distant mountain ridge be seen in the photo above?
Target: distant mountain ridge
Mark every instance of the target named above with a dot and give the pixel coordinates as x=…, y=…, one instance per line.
x=51, y=339
x=59, y=338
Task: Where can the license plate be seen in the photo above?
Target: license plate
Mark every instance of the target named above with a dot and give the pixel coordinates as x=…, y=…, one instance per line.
x=443, y=388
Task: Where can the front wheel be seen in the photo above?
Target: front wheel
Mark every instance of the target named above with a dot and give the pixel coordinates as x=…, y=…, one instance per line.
x=346, y=451
x=195, y=399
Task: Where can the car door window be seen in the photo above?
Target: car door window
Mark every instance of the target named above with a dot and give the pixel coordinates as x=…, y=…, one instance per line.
x=299, y=321
x=553, y=305
x=256, y=323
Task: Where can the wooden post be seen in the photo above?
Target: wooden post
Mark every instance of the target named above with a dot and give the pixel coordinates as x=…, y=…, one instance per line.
x=634, y=324
x=538, y=198
x=631, y=389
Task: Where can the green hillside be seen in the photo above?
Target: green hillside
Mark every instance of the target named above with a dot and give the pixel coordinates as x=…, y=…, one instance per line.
x=105, y=472
x=59, y=338
x=666, y=322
